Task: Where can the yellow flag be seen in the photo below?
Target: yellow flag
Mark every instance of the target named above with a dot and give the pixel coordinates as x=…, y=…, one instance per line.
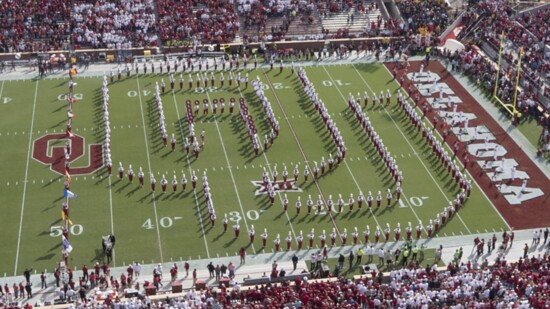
x=70, y=222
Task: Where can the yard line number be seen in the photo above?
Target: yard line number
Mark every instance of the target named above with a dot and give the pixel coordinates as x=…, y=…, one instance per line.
x=164, y=222
x=416, y=201
x=133, y=93
x=63, y=97
x=276, y=86
x=57, y=231
x=329, y=83
x=252, y=215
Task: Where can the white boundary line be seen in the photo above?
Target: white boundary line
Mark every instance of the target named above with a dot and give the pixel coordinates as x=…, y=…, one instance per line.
x=25, y=182
x=190, y=170
x=149, y=164
x=271, y=172
x=412, y=148
x=460, y=162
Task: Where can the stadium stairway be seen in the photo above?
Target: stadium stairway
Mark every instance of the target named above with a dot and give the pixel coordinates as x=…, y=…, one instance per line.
x=342, y=20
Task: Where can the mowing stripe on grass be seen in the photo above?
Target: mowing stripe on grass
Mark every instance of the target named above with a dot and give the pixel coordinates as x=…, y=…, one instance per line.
x=26, y=177
x=190, y=172
x=149, y=165
x=464, y=168
x=402, y=192
x=345, y=163
x=409, y=143
x=302, y=152
x=271, y=172
x=231, y=173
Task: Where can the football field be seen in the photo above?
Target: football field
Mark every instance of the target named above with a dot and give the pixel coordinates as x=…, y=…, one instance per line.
x=153, y=227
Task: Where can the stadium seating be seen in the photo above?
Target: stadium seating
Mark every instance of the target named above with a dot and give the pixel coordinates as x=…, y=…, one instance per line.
x=432, y=15
x=31, y=26
x=341, y=21
x=276, y=19
x=523, y=284
x=118, y=24
x=203, y=21
x=521, y=32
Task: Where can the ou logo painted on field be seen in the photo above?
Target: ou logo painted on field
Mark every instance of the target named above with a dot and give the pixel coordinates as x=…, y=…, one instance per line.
x=56, y=156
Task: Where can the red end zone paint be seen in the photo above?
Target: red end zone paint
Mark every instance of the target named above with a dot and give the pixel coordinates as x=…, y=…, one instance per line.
x=533, y=213
x=56, y=156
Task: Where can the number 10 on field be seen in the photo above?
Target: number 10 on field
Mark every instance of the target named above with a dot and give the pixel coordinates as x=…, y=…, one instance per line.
x=415, y=201
x=164, y=222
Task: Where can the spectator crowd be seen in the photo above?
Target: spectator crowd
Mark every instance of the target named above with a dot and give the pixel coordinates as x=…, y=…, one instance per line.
x=430, y=17
x=36, y=25
x=199, y=20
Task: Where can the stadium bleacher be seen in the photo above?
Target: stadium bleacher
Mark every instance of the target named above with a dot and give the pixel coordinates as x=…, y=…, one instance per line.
x=34, y=25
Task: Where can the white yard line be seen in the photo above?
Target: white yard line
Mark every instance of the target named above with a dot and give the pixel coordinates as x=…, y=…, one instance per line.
x=111, y=211
x=271, y=172
x=402, y=192
x=190, y=172
x=465, y=169
x=301, y=151
x=412, y=148
x=347, y=166
x=2, y=89
x=149, y=165
x=26, y=177
x=112, y=220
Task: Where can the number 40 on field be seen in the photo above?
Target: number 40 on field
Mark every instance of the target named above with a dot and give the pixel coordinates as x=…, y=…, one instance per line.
x=164, y=222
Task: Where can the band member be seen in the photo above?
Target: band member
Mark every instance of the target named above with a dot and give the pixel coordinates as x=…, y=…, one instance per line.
x=251, y=233
x=366, y=233
x=174, y=184
x=288, y=241
x=163, y=183
x=344, y=236
x=183, y=181
x=153, y=182
x=173, y=142
x=237, y=229
x=225, y=222
x=140, y=177
x=120, y=170
x=277, y=242
x=355, y=235
x=419, y=230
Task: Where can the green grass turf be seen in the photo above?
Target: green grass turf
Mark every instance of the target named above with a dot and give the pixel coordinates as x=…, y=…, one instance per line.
x=532, y=131
x=174, y=226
